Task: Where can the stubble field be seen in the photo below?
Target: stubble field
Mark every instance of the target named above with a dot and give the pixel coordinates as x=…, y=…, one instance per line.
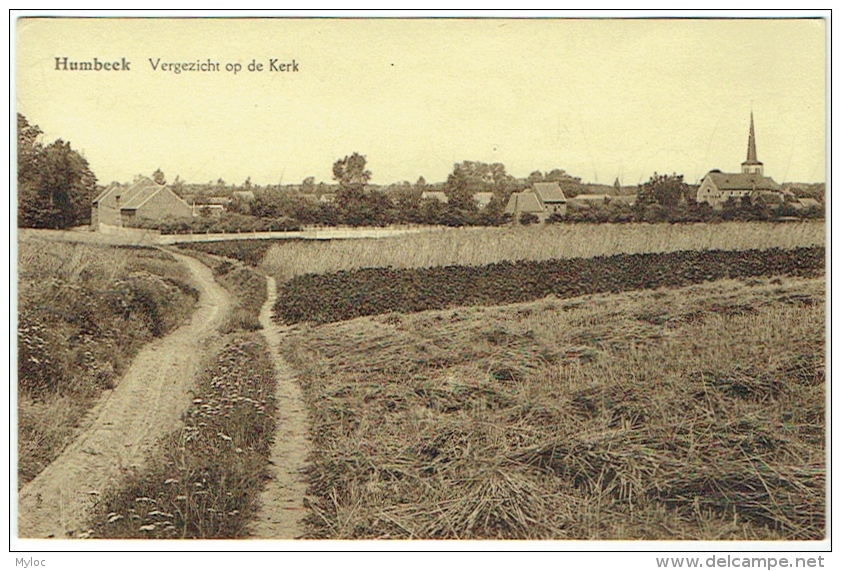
x=693, y=413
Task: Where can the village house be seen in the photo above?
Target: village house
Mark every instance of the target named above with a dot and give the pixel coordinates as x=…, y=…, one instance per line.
x=435, y=195
x=482, y=199
x=542, y=200
x=717, y=187
x=144, y=200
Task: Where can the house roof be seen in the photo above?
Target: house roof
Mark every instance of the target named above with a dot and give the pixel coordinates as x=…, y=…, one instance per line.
x=742, y=181
x=104, y=193
x=436, y=194
x=549, y=192
x=126, y=192
x=483, y=198
x=525, y=201
x=141, y=196
x=768, y=196
x=591, y=197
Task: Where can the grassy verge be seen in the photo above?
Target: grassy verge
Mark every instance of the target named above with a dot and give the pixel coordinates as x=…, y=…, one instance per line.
x=249, y=252
x=83, y=312
x=247, y=284
x=481, y=246
x=204, y=480
x=695, y=413
x=324, y=298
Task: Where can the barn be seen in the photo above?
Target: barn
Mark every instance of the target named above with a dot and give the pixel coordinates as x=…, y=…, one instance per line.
x=543, y=199
x=144, y=200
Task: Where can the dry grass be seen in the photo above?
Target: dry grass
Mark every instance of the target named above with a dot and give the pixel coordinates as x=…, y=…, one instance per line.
x=83, y=311
x=204, y=480
x=696, y=413
x=479, y=246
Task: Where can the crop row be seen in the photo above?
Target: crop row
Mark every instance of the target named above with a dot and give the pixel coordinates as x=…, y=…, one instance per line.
x=345, y=295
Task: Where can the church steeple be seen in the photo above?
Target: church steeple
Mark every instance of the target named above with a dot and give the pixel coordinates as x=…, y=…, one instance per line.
x=751, y=165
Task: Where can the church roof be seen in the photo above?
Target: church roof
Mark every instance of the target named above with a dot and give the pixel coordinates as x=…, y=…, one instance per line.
x=742, y=181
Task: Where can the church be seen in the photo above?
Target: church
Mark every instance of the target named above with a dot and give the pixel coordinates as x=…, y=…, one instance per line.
x=719, y=186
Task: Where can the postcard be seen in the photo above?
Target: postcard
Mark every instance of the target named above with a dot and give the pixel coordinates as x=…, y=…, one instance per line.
x=547, y=279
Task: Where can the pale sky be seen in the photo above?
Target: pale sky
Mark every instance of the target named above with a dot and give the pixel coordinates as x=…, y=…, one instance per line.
x=599, y=98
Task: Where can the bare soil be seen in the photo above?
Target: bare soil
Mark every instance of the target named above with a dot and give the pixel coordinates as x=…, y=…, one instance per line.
x=282, y=501
x=124, y=426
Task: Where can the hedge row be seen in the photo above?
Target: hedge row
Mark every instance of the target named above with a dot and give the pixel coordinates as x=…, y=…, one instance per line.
x=324, y=298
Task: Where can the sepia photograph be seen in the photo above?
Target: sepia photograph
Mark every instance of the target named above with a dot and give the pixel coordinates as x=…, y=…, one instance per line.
x=549, y=279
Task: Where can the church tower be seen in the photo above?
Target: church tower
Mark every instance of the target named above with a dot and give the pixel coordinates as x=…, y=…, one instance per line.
x=751, y=165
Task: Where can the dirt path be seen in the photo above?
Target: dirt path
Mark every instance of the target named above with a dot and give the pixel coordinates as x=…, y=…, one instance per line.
x=147, y=403
x=282, y=502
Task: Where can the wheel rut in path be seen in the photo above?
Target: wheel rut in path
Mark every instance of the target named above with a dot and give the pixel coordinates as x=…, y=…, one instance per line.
x=126, y=423
x=282, y=501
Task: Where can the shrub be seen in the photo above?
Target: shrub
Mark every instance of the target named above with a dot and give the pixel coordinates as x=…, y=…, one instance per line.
x=527, y=218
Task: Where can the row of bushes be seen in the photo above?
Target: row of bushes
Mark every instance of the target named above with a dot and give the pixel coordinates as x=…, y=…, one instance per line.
x=345, y=295
x=227, y=222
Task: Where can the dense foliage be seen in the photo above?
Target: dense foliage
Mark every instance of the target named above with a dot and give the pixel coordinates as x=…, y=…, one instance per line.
x=55, y=183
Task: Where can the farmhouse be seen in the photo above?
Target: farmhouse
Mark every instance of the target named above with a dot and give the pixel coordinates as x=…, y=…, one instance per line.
x=543, y=200
x=717, y=187
x=120, y=205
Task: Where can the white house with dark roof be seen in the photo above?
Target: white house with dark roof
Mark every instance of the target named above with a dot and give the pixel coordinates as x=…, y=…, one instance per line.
x=717, y=187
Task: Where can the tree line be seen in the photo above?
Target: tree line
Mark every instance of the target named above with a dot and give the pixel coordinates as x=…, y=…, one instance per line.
x=55, y=182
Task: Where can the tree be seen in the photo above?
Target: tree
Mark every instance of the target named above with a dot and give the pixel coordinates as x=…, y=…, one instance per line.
x=470, y=177
x=61, y=193
x=350, y=171
x=177, y=185
x=534, y=177
x=308, y=185
x=665, y=190
x=29, y=151
x=158, y=176
x=247, y=184
x=55, y=183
